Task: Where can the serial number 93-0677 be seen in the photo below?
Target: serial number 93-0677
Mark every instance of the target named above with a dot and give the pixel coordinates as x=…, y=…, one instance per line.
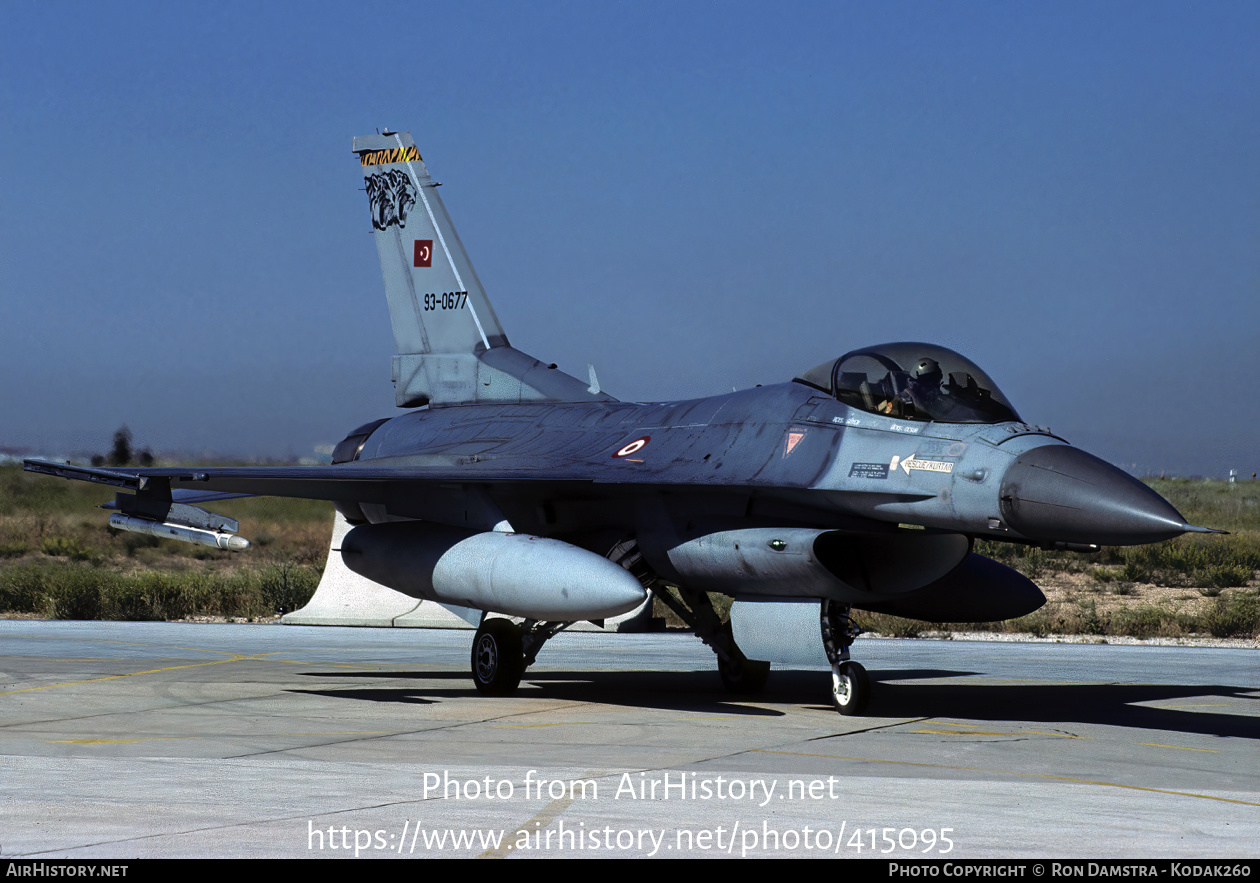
x=447, y=300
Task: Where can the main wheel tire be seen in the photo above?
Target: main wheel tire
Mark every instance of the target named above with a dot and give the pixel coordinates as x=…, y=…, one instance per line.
x=497, y=658
x=851, y=690
x=744, y=676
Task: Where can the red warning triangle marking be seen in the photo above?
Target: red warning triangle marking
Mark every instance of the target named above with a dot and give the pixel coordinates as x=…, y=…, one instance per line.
x=792, y=439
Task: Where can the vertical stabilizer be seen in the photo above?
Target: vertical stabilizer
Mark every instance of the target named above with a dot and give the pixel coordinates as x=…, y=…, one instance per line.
x=451, y=347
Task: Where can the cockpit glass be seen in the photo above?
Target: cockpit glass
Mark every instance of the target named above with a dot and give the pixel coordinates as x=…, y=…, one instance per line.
x=913, y=381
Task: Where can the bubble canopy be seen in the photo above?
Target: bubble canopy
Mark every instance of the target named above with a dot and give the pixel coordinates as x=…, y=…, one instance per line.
x=913, y=381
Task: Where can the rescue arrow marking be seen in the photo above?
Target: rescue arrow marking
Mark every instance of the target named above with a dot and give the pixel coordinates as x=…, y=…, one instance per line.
x=925, y=465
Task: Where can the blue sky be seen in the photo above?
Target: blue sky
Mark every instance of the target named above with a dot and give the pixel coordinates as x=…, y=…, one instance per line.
x=693, y=196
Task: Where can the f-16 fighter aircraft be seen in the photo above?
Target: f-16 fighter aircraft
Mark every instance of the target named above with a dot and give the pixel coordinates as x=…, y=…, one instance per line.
x=510, y=487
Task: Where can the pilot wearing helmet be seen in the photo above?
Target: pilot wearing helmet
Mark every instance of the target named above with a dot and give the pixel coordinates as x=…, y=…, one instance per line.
x=928, y=375
x=923, y=390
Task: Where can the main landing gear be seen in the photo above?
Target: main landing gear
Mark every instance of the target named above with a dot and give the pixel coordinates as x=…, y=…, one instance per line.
x=850, y=687
x=739, y=674
x=502, y=650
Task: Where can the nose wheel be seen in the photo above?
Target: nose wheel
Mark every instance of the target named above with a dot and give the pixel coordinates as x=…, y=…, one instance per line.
x=850, y=685
x=850, y=688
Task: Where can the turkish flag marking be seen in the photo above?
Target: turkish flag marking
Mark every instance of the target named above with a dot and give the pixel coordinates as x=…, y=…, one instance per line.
x=424, y=252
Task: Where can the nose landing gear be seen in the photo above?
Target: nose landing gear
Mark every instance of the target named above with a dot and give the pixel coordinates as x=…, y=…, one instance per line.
x=850, y=686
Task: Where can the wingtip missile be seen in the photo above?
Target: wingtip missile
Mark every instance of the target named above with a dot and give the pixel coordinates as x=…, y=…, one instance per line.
x=215, y=539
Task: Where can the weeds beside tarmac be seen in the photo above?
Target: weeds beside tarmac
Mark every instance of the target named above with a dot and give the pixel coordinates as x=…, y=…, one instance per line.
x=60, y=560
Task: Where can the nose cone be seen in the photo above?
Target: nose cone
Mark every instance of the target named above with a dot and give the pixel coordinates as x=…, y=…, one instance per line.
x=1060, y=493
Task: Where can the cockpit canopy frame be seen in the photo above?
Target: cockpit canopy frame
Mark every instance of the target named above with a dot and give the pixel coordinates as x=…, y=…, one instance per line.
x=913, y=381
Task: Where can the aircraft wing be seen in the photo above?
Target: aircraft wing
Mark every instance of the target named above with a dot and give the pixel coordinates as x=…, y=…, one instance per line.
x=351, y=482
x=440, y=487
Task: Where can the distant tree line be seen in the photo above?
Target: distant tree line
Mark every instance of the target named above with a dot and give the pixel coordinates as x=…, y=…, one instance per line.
x=122, y=453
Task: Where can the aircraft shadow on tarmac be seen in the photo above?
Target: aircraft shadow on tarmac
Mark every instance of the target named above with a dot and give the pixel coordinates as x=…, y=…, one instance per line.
x=1113, y=705
x=1096, y=704
x=697, y=692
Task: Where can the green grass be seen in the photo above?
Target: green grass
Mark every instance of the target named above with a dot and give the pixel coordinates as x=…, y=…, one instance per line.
x=59, y=558
x=1236, y=615
x=1195, y=560
x=66, y=547
x=1218, y=504
x=57, y=591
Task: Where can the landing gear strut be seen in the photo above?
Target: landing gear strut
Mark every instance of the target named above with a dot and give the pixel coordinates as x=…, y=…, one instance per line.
x=502, y=650
x=739, y=673
x=850, y=686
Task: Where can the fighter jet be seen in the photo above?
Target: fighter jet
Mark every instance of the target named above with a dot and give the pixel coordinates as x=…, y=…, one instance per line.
x=512, y=489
